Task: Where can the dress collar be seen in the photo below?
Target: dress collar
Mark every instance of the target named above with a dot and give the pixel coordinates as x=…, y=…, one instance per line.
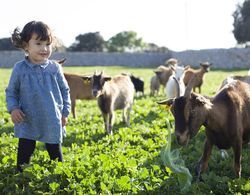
x=43, y=65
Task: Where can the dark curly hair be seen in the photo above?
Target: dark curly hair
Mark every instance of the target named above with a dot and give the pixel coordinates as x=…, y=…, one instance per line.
x=42, y=30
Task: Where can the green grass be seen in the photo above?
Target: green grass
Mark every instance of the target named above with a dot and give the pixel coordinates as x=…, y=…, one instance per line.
x=129, y=162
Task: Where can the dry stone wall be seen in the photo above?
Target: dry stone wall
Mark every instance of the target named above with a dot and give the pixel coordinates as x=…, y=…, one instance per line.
x=221, y=58
x=9, y=58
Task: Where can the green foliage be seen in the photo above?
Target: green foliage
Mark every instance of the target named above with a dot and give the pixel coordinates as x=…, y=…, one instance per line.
x=125, y=41
x=173, y=160
x=242, y=22
x=129, y=162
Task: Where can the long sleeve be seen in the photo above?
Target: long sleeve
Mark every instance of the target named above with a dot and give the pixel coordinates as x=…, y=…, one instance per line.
x=65, y=93
x=12, y=90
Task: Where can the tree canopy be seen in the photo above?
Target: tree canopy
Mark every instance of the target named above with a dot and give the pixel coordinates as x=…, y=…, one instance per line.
x=6, y=44
x=91, y=42
x=242, y=22
x=125, y=41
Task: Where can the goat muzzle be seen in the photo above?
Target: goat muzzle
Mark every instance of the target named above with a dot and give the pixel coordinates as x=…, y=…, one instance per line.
x=182, y=138
x=95, y=93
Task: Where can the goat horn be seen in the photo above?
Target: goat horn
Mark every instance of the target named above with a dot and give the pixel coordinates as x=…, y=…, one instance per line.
x=178, y=86
x=190, y=86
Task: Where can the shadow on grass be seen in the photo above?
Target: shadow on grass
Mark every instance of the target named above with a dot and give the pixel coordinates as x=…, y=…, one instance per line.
x=151, y=116
x=7, y=129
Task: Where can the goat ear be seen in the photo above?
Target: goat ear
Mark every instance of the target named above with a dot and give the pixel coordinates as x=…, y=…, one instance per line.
x=186, y=67
x=203, y=101
x=172, y=68
x=168, y=103
x=107, y=78
x=86, y=78
x=190, y=86
x=157, y=71
x=61, y=61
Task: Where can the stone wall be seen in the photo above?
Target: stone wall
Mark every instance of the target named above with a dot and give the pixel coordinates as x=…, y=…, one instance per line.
x=9, y=58
x=221, y=58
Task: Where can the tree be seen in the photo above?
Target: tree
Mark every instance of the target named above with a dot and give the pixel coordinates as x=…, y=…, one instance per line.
x=152, y=47
x=6, y=44
x=125, y=41
x=91, y=42
x=242, y=23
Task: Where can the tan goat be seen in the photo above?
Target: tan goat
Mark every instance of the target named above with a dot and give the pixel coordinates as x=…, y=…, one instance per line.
x=171, y=61
x=112, y=94
x=163, y=73
x=78, y=90
x=154, y=85
x=199, y=73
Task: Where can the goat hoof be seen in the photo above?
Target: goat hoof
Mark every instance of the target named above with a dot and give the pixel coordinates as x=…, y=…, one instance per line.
x=199, y=179
x=198, y=173
x=197, y=170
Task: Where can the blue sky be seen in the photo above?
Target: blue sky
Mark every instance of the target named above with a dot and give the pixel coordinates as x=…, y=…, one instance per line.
x=176, y=24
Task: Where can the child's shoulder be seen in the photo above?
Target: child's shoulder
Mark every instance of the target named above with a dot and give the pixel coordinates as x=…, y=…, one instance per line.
x=54, y=63
x=19, y=65
x=54, y=66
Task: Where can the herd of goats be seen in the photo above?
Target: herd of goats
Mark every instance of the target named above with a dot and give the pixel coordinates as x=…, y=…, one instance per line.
x=225, y=115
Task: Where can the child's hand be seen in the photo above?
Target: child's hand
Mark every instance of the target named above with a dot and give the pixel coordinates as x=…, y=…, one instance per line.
x=17, y=116
x=64, y=121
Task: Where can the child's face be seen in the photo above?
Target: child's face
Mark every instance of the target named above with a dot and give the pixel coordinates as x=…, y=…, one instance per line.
x=39, y=51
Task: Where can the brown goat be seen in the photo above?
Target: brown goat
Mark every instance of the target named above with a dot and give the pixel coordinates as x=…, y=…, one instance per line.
x=112, y=94
x=199, y=73
x=225, y=116
x=230, y=79
x=78, y=90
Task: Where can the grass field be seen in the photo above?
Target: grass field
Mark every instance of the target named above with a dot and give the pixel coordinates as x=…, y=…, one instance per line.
x=129, y=162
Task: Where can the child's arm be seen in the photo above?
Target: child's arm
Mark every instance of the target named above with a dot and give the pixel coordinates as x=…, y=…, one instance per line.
x=64, y=88
x=12, y=91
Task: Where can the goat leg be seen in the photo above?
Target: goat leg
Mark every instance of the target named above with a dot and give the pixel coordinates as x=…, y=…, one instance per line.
x=105, y=120
x=203, y=162
x=110, y=123
x=124, y=119
x=126, y=115
x=237, y=158
x=73, y=105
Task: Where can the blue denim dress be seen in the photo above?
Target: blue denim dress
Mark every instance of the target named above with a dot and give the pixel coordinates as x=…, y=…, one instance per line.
x=42, y=93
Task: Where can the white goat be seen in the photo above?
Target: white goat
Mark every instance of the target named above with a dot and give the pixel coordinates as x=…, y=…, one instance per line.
x=175, y=86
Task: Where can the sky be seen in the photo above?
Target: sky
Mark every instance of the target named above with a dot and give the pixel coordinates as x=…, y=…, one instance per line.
x=176, y=24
